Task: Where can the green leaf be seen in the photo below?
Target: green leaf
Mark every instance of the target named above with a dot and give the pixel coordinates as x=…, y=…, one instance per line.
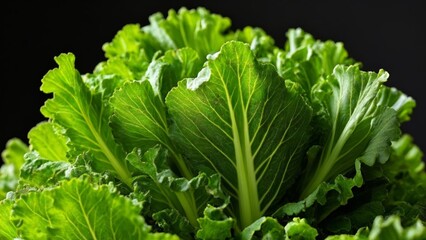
x=401, y=103
x=267, y=227
x=196, y=28
x=165, y=72
x=386, y=228
x=139, y=118
x=300, y=229
x=129, y=54
x=13, y=158
x=390, y=228
x=362, y=234
x=307, y=61
x=7, y=228
x=354, y=125
x=171, y=221
x=215, y=224
x=238, y=119
x=84, y=117
x=78, y=210
x=129, y=40
x=262, y=45
x=296, y=39
x=162, y=236
x=14, y=153
x=171, y=196
x=48, y=140
x=8, y=180
x=39, y=172
x=406, y=158
x=396, y=188
x=325, y=199
x=406, y=181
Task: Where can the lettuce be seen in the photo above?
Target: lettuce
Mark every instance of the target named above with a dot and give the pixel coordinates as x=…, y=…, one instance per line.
x=192, y=130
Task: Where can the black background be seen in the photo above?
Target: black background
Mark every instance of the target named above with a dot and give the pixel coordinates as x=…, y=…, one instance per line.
x=381, y=34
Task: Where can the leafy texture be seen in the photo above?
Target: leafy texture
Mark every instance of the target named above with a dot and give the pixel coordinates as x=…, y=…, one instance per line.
x=308, y=61
x=266, y=227
x=173, y=197
x=355, y=127
x=300, y=229
x=190, y=129
x=77, y=210
x=140, y=115
x=39, y=172
x=215, y=224
x=389, y=228
x=7, y=228
x=223, y=119
x=48, y=140
x=197, y=28
x=84, y=116
x=13, y=157
x=396, y=99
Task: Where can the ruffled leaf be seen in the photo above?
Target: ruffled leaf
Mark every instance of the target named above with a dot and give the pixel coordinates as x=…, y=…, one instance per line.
x=84, y=117
x=78, y=210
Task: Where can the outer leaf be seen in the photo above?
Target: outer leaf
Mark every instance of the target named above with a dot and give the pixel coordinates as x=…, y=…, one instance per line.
x=48, y=140
x=14, y=153
x=7, y=228
x=406, y=182
x=396, y=99
x=355, y=127
x=238, y=119
x=215, y=224
x=13, y=158
x=84, y=116
x=406, y=157
x=398, y=187
x=139, y=118
x=39, y=172
x=77, y=210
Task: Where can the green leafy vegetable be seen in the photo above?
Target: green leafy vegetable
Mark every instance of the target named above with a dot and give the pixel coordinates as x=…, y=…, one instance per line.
x=192, y=130
x=76, y=210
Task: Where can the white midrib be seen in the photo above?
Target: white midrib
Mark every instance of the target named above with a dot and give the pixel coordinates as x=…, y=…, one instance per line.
x=249, y=205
